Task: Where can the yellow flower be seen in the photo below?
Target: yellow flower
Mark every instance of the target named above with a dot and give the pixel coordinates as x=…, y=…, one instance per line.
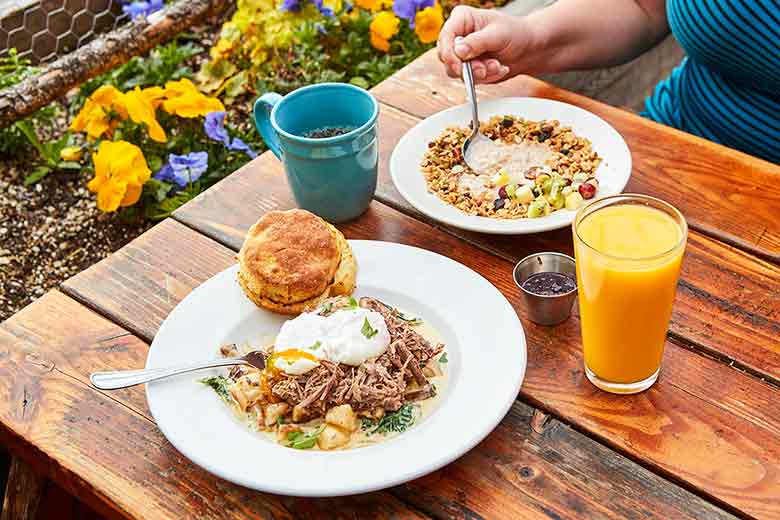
x=371, y=5
x=95, y=116
x=383, y=27
x=120, y=173
x=70, y=153
x=184, y=99
x=141, y=108
x=428, y=22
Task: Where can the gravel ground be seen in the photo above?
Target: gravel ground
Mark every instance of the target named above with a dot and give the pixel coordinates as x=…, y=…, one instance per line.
x=49, y=232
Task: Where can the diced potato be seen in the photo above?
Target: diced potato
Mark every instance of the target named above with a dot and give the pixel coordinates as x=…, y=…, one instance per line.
x=284, y=430
x=332, y=437
x=260, y=415
x=343, y=417
x=274, y=411
x=300, y=414
x=237, y=393
x=432, y=368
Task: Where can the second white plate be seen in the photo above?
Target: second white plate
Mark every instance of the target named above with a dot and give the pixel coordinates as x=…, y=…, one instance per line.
x=612, y=174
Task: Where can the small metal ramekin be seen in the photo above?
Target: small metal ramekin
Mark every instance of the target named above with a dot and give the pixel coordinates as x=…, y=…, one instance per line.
x=546, y=310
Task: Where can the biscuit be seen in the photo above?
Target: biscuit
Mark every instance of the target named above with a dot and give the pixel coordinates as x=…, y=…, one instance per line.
x=289, y=256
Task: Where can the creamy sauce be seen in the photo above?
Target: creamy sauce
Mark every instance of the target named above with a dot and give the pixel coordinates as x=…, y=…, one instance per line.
x=360, y=438
x=488, y=157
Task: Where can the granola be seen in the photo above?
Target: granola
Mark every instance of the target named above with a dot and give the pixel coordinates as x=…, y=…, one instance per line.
x=572, y=163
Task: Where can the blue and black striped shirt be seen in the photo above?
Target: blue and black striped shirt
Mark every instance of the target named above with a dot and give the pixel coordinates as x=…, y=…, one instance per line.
x=727, y=89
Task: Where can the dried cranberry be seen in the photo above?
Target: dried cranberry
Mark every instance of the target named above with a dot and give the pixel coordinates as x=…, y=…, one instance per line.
x=431, y=144
x=587, y=190
x=502, y=192
x=498, y=204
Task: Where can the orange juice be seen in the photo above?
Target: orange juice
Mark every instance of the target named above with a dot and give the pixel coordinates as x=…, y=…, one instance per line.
x=629, y=250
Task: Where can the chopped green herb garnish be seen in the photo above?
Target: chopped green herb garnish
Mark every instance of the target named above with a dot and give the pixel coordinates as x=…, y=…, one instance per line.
x=303, y=441
x=353, y=304
x=317, y=344
x=219, y=384
x=280, y=420
x=367, y=330
x=443, y=358
x=327, y=307
x=398, y=421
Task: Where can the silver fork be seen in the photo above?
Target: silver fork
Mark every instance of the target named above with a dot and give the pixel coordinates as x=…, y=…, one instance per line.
x=124, y=378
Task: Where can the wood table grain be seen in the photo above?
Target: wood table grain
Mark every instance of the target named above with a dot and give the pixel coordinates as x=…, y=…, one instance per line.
x=704, y=442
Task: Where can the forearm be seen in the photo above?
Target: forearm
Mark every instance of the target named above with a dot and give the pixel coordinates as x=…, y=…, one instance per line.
x=587, y=34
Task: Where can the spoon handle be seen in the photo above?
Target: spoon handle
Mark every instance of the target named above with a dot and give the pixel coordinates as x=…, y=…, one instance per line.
x=124, y=378
x=468, y=79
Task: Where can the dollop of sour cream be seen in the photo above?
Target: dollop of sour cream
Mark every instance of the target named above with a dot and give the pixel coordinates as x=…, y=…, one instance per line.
x=349, y=336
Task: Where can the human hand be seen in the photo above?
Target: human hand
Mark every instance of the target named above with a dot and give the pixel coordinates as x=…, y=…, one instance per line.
x=492, y=41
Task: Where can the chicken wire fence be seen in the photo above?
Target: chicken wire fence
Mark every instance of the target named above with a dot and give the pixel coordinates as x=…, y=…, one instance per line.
x=46, y=29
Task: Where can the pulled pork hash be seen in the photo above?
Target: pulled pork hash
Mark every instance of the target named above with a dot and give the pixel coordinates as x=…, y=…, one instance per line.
x=335, y=405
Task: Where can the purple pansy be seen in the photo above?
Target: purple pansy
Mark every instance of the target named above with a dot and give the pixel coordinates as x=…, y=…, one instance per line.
x=142, y=8
x=182, y=170
x=292, y=6
x=407, y=9
x=240, y=146
x=214, y=126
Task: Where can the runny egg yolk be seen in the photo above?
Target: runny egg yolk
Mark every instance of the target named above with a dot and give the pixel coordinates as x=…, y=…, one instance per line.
x=289, y=356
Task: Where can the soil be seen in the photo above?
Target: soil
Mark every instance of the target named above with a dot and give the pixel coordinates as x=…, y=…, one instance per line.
x=49, y=232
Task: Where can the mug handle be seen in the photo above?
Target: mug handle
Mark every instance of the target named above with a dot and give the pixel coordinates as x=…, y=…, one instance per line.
x=262, y=113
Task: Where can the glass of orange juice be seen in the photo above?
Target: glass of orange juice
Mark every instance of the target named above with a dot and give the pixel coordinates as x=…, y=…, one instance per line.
x=628, y=249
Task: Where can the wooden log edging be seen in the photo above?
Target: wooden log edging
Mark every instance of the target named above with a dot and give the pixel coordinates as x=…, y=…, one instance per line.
x=101, y=55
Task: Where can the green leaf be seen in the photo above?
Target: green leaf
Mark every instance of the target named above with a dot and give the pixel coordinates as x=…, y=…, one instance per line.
x=398, y=421
x=68, y=165
x=219, y=384
x=39, y=173
x=317, y=344
x=353, y=304
x=303, y=441
x=443, y=358
x=368, y=331
x=360, y=82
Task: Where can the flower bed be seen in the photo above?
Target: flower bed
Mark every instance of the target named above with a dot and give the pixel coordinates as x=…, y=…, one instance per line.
x=91, y=171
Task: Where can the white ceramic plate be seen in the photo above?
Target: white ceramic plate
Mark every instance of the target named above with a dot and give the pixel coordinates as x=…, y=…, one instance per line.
x=612, y=174
x=487, y=360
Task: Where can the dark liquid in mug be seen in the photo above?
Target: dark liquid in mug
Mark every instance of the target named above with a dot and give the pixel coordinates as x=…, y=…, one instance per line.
x=330, y=131
x=549, y=284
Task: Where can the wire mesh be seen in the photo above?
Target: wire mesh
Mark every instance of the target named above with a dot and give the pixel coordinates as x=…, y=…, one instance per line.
x=47, y=29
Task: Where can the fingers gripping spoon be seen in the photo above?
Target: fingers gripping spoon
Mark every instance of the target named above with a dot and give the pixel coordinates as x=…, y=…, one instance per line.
x=477, y=144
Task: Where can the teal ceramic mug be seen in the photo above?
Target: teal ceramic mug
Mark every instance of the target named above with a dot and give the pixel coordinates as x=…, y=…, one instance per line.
x=333, y=177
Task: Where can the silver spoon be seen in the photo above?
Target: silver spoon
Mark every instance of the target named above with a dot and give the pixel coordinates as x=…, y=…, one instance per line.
x=477, y=140
x=124, y=378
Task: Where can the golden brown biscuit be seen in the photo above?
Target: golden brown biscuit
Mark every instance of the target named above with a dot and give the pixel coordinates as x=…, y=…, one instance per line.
x=346, y=274
x=282, y=308
x=288, y=257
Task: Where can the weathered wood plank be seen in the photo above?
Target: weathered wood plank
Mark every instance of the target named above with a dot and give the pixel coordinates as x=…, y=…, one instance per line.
x=725, y=304
x=103, y=447
x=681, y=427
x=528, y=467
x=723, y=193
x=23, y=493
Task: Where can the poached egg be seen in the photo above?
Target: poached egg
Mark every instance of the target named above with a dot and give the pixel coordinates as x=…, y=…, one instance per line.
x=349, y=336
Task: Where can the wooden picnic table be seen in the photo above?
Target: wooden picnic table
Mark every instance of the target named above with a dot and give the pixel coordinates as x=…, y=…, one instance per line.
x=703, y=442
